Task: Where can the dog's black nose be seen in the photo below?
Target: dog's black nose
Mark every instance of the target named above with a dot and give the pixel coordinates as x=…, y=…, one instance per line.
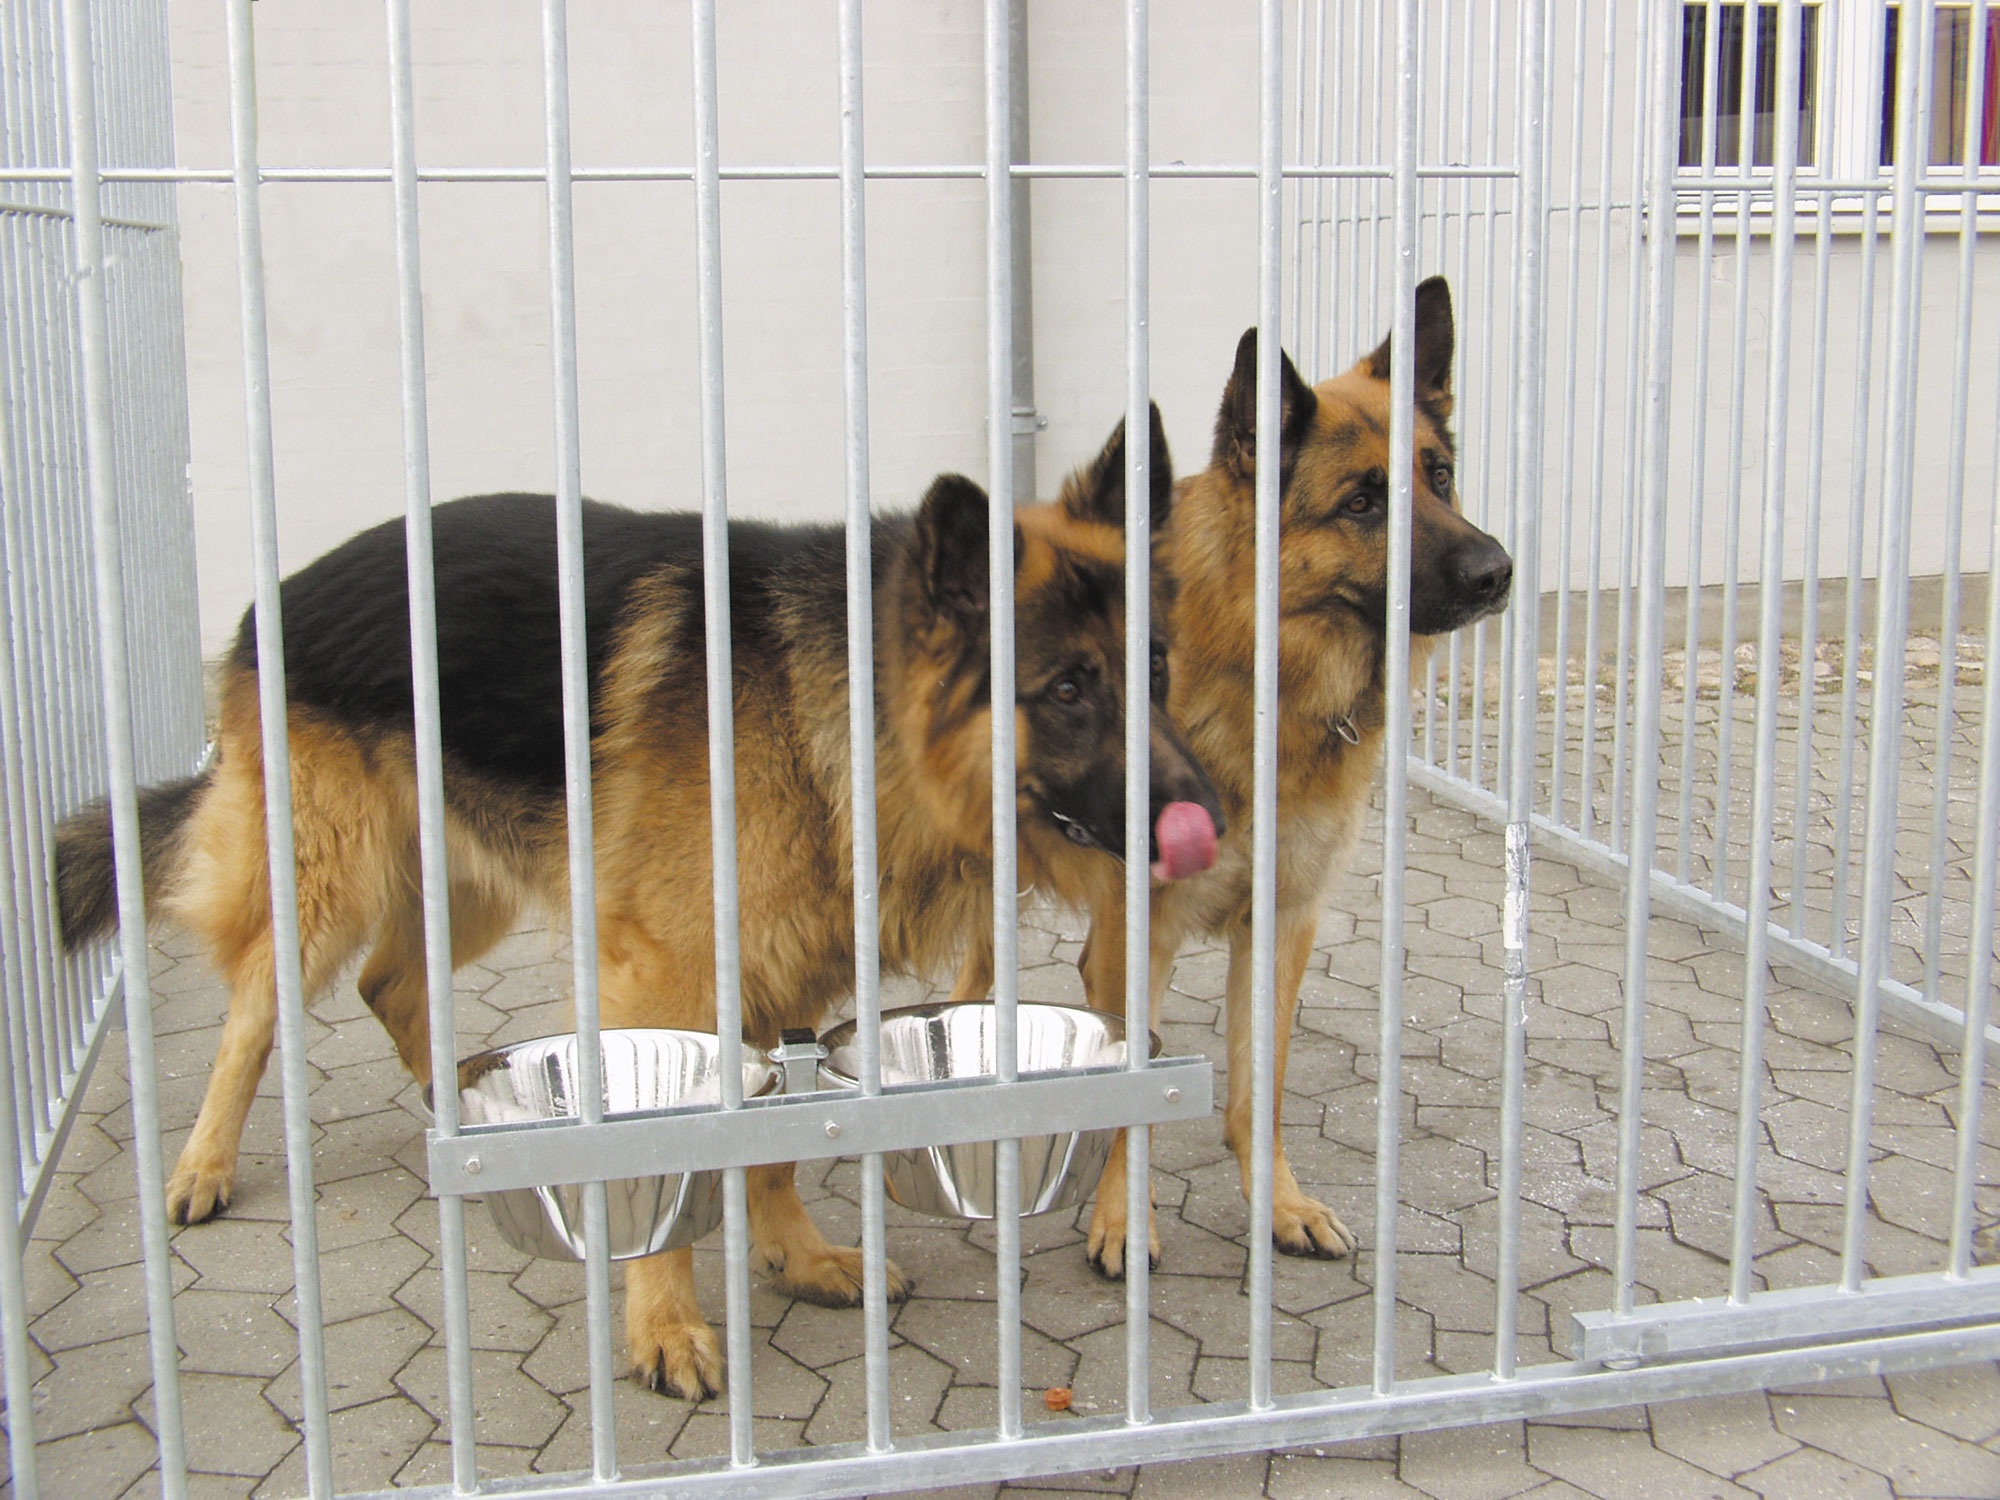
x=1486, y=573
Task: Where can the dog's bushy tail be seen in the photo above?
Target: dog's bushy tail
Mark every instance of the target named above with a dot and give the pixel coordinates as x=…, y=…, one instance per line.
x=86, y=893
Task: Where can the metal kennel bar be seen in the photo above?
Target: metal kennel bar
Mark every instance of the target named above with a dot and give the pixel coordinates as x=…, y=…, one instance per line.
x=1492, y=732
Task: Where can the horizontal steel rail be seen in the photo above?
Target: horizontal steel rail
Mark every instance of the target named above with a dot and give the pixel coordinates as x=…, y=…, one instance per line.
x=1344, y=1415
x=1794, y=1315
x=948, y=171
x=491, y=1158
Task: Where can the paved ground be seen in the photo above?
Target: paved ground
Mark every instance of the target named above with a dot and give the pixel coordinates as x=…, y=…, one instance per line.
x=1932, y=1435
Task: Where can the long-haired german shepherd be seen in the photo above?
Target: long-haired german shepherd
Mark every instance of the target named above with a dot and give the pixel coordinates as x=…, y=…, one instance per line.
x=1333, y=610
x=347, y=670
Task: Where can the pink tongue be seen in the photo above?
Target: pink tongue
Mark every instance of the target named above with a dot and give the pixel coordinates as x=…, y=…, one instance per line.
x=1186, y=836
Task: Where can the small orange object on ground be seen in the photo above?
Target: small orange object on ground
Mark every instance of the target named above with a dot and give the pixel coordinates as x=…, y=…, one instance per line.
x=1056, y=1398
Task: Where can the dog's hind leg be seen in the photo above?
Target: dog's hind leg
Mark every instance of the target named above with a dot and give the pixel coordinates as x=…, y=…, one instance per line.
x=1300, y=1225
x=393, y=981
x=225, y=895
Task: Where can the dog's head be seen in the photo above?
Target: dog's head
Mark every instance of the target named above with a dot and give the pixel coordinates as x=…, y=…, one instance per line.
x=1335, y=485
x=1069, y=663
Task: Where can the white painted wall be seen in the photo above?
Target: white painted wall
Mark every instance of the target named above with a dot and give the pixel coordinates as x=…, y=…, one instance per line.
x=330, y=263
x=331, y=268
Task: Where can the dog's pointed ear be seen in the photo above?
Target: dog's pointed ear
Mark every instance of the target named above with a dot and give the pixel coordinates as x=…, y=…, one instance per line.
x=951, y=548
x=1096, y=492
x=1436, y=336
x=1236, y=422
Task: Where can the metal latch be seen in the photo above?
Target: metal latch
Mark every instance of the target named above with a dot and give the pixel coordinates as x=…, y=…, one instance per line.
x=797, y=1057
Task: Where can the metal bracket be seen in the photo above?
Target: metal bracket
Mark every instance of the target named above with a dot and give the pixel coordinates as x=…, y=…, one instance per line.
x=490, y=1158
x=798, y=1056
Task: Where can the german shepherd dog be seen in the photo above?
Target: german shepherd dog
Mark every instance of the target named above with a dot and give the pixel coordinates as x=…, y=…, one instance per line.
x=1332, y=633
x=347, y=670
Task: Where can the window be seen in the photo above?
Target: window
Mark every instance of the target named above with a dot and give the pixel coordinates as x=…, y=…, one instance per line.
x=1726, y=117
x=1955, y=33
x=1848, y=56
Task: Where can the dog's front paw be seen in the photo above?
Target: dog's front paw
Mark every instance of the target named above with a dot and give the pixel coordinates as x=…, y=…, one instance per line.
x=1306, y=1226
x=830, y=1276
x=1105, y=1248
x=678, y=1359
x=196, y=1194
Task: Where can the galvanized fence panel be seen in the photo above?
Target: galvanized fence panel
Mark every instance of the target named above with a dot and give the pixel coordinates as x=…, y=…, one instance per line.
x=1426, y=134
x=1807, y=832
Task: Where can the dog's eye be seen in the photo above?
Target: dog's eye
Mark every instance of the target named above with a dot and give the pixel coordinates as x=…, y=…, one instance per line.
x=1159, y=662
x=1361, y=502
x=1441, y=479
x=1066, y=690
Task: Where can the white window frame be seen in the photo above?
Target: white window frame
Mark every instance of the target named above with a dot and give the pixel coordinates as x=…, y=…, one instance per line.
x=1847, y=124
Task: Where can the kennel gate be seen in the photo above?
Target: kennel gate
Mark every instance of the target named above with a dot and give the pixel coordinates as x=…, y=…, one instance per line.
x=1375, y=179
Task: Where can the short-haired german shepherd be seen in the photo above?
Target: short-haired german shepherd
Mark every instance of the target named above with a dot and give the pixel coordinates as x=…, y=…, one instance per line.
x=347, y=670
x=1333, y=610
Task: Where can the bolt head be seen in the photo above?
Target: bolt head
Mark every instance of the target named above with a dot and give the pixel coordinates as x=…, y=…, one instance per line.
x=833, y=1130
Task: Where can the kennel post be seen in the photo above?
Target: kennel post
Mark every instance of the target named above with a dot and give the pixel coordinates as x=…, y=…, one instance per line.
x=1000, y=310
x=1892, y=617
x=1264, y=785
x=1525, y=541
x=861, y=711
x=1137, y=936
x=427, y=733
x=1659, y=361
x=1770, y=599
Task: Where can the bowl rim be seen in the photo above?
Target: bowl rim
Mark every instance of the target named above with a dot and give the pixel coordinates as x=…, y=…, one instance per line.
x=753, y=1056
x=841, y=1033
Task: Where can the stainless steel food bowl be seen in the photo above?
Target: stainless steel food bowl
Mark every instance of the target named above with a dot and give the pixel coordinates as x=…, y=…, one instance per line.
x=643, y=1070
x=932, y=1043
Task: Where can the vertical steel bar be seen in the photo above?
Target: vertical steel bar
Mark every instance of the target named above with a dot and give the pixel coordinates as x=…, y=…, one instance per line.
x=1892, y=609
x=1530, y=315
x=1645, y=71
x=1704, y=322
x=1459, y=700
x=1586, y=794
x=1979, y=961
x=576, y=711
x=1732, y=530
x=1771, y=599
x=1659, y=363
x=1857, y=511
x=1442, y=69
x=1026, y=422
x=1396, y=697
x=15, y=1147
x=274, y=729
x=861, y=709
x=1138, y=698
x=1000, y=293
x=1484, y=447
x=50, y=362
x=1302, y=226
x=1802, y=774
x=428, y=730
x=1572, y=362
x=721, y=718
x=1954, y=514
x=1264, y=743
